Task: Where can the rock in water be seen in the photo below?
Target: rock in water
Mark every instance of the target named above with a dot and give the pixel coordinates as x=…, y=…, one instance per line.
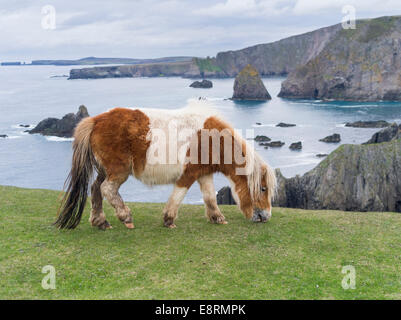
x=202, y=84
x=335, y=138
x=391, y=133
x=296, y=146
x=61, y=127
x=368, y=124
x=224, y=196
x=249, y=86
x=353, y=178
x=275, y=144
x=261, y=138
x=285, y=125
x=3, y=136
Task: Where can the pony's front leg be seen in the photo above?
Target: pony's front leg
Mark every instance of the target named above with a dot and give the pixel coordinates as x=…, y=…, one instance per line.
x=209, y=197
x=171, y=209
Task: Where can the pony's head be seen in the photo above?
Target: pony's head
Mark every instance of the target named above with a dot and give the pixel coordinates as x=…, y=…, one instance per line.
x=255, y=190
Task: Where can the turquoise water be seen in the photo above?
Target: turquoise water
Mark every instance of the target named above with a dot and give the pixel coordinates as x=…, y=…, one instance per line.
x=28, y=94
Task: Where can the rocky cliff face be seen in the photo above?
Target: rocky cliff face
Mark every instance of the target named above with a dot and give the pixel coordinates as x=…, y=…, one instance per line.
x=187, y=68
x=280, y=57
x=195, y=68
x=276, y=58
x=224, y=196
x=249, y=86
x=393, y=132
x=353, y=177
x=362, y=64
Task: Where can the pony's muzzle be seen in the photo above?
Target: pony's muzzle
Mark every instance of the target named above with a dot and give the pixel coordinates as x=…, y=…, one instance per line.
x=260, y=215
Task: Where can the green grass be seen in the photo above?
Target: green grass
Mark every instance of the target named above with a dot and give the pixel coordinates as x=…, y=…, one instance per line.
x=297, y=255
x=207, y=64
x=370, y=29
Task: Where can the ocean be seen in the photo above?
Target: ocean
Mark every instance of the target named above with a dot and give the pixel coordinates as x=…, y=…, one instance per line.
x=28, y=94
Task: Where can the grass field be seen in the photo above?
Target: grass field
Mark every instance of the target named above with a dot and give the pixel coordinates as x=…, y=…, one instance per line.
x=297, y=255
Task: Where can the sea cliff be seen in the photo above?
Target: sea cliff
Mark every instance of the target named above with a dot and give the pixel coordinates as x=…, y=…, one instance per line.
x=362, y=64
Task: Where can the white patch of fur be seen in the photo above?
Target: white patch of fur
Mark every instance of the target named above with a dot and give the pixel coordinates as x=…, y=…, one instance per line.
x=173, y=203
x=178, y=195
x=186, y=120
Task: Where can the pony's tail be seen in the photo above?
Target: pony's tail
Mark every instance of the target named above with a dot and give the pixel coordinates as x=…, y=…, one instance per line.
x=77, y=182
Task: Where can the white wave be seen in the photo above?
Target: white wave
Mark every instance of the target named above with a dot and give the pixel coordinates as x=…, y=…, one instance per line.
x=340, y=125
x=58, y=139
x=13, y=137
x=300, y=155
x=216, y=99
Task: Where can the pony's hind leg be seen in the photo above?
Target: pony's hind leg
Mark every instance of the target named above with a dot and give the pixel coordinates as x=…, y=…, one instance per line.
x=97, y=217
x=109, y=190
x=209, y=197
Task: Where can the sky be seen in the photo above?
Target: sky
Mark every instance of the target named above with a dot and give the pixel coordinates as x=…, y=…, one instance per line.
x=61, y=29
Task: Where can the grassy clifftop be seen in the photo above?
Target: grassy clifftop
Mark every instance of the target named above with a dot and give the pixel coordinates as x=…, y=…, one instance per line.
x=297, y=255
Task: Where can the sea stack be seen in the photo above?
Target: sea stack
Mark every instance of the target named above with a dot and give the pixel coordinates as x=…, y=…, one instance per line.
x=249, y=86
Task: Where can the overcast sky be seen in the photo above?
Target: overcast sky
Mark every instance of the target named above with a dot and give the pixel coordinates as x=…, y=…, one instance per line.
x=150, y=28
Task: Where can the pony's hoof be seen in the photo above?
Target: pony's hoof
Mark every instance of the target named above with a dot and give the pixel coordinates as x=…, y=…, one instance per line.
x=129, y=225
x=169, y=222
x=218, y=220
x=105, y=225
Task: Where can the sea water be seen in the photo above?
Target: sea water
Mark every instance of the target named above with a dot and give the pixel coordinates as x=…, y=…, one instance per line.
x=29, y=94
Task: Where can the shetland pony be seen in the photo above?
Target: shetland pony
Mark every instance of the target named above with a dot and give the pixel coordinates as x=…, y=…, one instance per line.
x=163, y=147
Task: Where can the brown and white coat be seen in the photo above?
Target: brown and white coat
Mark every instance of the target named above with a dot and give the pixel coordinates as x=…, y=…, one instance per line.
x=163, y=147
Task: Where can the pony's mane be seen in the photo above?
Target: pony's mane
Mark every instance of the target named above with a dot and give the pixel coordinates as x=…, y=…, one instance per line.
x=255, y=163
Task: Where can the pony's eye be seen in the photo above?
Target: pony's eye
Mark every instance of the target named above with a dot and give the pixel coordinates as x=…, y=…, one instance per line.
x=263, y=189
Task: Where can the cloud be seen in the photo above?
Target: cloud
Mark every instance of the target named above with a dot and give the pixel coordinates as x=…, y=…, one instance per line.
x=241, y=8
x=375, y=7
x=156, y=28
